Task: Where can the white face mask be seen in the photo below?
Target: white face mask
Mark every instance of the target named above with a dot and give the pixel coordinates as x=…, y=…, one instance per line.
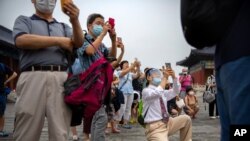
x=45, y=6
x=191, y=93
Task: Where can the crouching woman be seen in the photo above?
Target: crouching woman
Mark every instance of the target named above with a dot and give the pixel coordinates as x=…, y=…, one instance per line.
x=159, y=126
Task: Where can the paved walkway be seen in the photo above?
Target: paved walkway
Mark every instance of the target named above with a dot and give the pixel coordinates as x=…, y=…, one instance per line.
x=204, y=129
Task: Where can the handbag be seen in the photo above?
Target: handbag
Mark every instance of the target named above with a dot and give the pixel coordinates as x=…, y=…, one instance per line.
x=180, y=103
x=141, y=117
x=208, y=96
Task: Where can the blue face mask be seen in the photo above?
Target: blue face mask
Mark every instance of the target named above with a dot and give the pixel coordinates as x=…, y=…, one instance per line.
x=156, y=81
x=97, y=30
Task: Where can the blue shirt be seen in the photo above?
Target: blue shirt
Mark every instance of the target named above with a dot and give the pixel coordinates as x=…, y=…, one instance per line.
x=86, y=60
x=127, y=87
x=4, y=70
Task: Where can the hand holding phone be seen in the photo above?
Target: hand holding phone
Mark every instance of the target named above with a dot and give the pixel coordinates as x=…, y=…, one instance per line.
x=64, y=2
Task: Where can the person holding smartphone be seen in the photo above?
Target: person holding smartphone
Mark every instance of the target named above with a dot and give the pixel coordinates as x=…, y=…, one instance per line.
x=125, y=85
x=159, y=125
x=87, y=54
x=43, y=43
x=185, y=80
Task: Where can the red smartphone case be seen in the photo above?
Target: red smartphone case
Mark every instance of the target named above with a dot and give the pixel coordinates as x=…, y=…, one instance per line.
x=112, y=22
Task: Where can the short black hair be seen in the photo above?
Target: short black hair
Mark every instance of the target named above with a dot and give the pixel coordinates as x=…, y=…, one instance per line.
x=123, y=62
x=146, y=71
x=92, y=17
x=189, y=88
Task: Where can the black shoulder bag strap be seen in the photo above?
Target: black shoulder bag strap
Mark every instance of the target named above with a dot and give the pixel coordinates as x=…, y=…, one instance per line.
x=67, y=53
x=146, y=112
x=124, y=82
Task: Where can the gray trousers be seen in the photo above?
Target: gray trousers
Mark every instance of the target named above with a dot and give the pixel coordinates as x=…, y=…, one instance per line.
x=98, y=125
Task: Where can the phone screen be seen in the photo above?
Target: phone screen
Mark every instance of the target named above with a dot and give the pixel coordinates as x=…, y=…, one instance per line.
x=119, y=39
x=168, y=65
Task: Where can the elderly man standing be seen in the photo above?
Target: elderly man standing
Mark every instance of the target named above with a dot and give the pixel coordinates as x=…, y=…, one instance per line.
x=43, y=43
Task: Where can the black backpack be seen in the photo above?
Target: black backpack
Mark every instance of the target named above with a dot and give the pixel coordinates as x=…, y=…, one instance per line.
x=204, y=22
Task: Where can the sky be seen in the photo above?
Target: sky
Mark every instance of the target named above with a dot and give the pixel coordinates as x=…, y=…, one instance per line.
x=150, y=29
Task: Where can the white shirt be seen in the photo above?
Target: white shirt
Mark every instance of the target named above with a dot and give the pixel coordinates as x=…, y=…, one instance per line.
x=151, y=99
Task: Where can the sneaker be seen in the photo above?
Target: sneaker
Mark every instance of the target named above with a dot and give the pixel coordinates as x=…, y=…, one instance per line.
x=126, y=126
x=3, y=134
x=212, y=117
x=75, y=138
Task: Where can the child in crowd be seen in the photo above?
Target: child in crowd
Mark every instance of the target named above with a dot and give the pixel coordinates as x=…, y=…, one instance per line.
x=191, y=102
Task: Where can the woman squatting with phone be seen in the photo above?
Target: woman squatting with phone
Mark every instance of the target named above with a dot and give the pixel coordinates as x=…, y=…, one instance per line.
x=158, y=123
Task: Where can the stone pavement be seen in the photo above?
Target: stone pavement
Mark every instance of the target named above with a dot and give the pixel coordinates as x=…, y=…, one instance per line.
x=204, y=129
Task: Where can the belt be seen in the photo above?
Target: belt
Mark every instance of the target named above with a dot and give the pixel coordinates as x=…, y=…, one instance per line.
x=45, y=68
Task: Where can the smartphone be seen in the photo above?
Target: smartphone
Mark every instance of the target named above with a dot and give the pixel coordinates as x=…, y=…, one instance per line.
x=168, y=65
x=119, y=39
x=63, y=2
x=112, y=22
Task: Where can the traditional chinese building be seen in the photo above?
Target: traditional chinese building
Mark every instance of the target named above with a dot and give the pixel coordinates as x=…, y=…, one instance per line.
x=8, y=52
x=200, y=64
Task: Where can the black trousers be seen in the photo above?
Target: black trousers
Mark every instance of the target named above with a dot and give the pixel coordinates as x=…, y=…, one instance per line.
x=211, y=108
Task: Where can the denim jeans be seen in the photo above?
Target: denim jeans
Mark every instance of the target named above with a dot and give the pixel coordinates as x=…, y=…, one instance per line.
x=233, y=98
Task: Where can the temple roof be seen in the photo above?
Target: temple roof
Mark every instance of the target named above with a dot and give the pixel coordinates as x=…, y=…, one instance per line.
x=196, y=56
x=7, y=47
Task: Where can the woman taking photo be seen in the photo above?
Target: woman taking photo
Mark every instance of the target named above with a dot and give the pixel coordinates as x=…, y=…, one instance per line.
x=158, y=123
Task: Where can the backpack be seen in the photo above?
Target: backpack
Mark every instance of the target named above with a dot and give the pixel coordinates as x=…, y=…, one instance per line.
x=86, y=91
x=204, y=22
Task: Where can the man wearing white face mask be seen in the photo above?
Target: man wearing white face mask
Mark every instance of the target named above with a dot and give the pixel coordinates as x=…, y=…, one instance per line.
x=87, y=54
x=43, y=43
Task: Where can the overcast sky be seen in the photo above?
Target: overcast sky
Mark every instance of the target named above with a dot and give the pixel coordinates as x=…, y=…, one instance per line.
x=150, y=29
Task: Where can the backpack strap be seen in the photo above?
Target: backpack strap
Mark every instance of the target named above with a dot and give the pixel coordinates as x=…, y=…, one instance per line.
x=98, y=51
x=67, y=54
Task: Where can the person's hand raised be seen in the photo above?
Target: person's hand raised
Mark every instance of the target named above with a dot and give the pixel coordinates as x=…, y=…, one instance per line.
x=71, y=10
